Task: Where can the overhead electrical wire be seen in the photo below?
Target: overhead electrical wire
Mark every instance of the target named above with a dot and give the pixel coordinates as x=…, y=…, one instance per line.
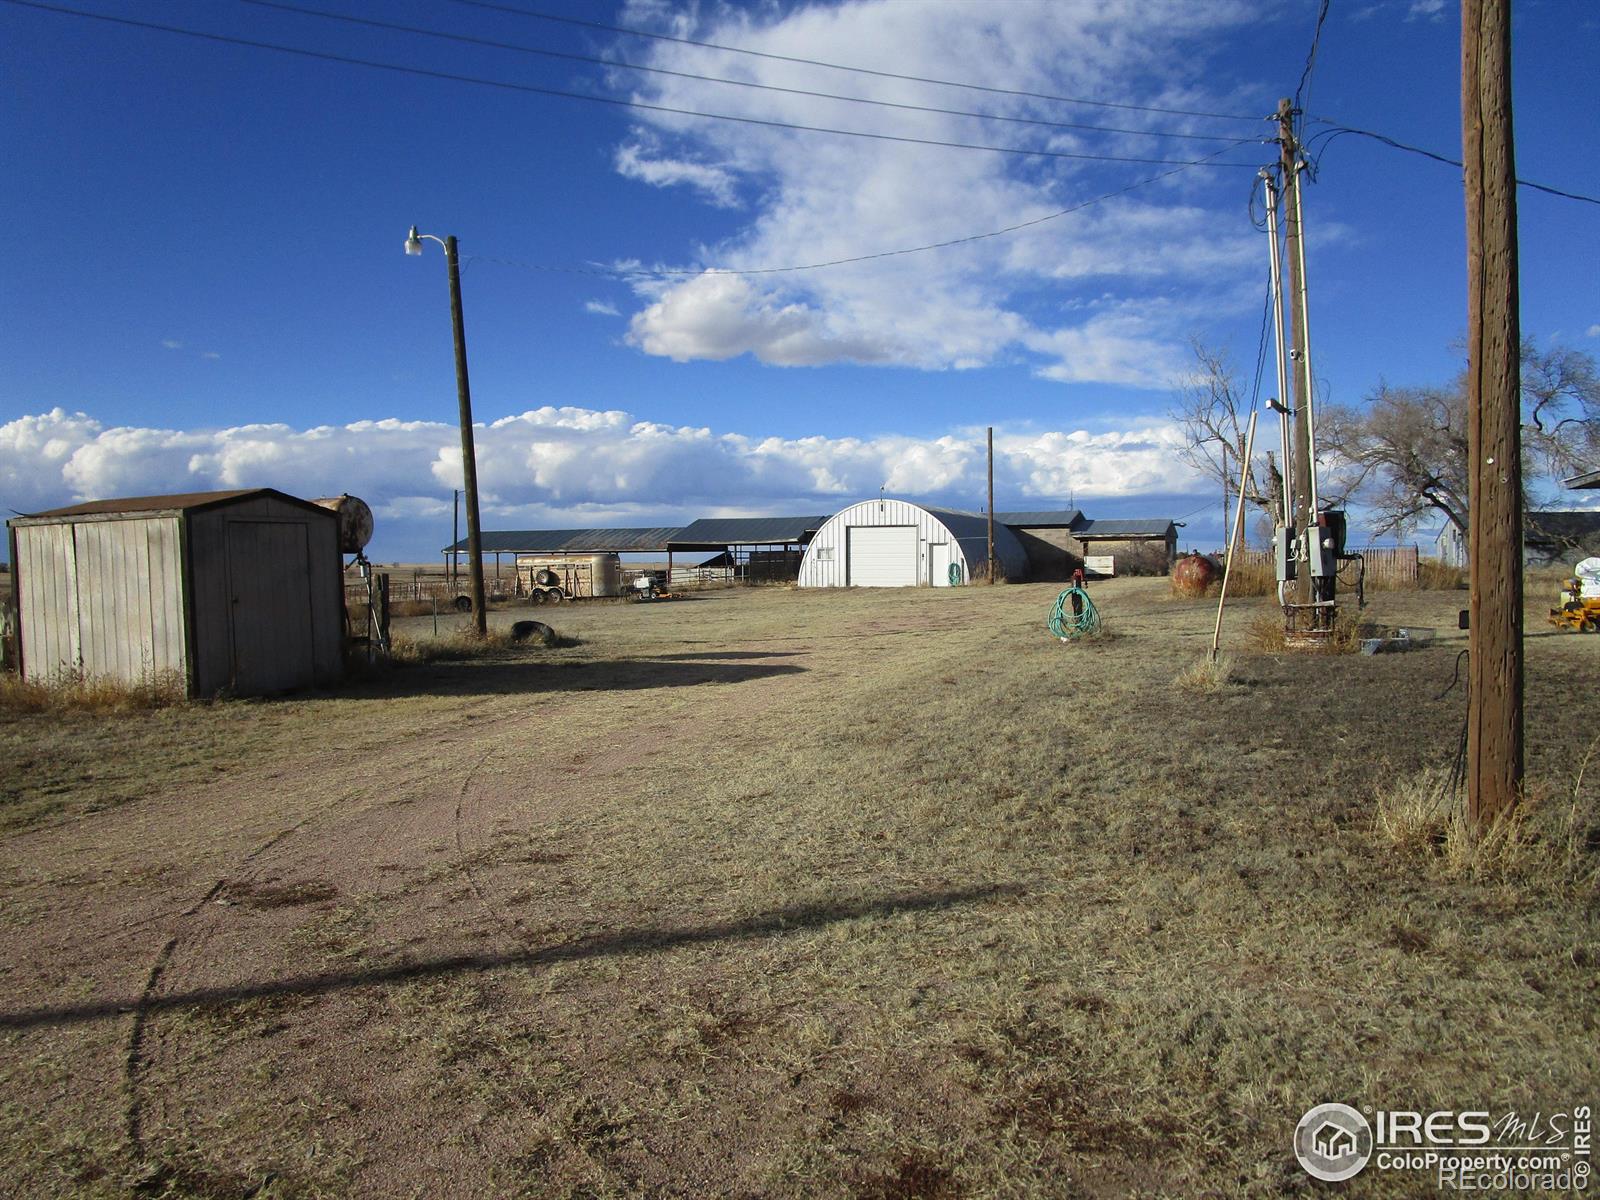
x=628, y=273
x=542, y=52
x=1336, y=130
x=1311, y=57
x=814, y=62
x=610, y=100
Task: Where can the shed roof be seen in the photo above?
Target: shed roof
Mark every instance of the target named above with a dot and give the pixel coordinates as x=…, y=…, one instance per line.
x=1123, y=529
x=571, y=541
x=715, y=532
x=1570, y=527
x=172, y=503
x=1064, y=518
x=1587, y=479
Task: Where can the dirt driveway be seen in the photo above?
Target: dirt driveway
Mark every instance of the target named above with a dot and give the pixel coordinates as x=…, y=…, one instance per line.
x=742, y=895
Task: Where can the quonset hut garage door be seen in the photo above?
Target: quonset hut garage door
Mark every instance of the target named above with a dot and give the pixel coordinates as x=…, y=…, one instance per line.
x=882, y=555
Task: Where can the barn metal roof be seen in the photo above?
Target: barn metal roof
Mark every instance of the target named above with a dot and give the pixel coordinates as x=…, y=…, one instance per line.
x=571, y=541
x=1060, y=519
x=714, y=532
x=1570, y=527
x=1123, y=529
x=182, y=500
x=1588, y=479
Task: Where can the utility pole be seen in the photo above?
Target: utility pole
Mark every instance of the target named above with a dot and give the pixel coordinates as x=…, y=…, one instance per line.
x=1300, y=470
x=991, y=504
x=469, y=458
x=1494, y=415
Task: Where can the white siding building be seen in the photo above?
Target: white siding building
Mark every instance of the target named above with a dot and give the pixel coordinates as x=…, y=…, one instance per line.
x=224, y=590
x=895, y=543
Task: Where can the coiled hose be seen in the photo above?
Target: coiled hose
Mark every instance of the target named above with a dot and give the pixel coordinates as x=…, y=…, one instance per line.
x=1074, y=615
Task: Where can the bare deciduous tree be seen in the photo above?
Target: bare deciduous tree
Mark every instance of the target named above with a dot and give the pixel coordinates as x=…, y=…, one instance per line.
x=1214, y=417
x=1405, y=452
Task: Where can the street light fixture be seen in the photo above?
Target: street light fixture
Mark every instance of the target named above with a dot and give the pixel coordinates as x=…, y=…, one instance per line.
x=469, y=458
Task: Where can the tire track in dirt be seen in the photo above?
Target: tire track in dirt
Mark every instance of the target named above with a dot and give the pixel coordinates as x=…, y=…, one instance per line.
x=135, y=1060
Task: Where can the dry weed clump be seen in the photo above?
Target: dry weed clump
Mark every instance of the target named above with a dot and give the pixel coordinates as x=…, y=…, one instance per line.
x=460, y=646
x=73, y=691
x=1537, y=841
x=1207, y=675
x=1264, y=633
x=1435, y=576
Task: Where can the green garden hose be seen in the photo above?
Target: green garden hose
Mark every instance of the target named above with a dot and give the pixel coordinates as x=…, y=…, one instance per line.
x=1074, y=615
x=955, y=574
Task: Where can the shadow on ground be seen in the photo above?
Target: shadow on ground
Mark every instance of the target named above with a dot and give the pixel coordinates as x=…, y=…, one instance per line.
x=514, y=676
x=601, y=945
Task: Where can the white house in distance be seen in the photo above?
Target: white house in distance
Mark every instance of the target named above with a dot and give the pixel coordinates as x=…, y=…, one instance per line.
x=897, y=543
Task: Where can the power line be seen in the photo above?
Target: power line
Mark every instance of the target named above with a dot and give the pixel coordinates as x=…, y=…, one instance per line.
x=613, y=101
x=520, y=48
x=1335, y=130
x=813, y=62
x=839, y=262
x=1311, y=55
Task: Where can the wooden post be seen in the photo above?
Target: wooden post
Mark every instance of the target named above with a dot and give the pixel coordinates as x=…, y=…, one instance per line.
x=1235, y=536
x=1300, y=474
x=383, y=611
x=1494, y=415
x=991, y=504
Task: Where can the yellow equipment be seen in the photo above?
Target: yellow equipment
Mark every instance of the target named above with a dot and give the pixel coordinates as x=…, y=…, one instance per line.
x=1579, y=605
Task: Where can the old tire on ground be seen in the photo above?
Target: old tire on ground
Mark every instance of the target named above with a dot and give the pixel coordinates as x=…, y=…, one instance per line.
x=463, y=603
x=532, y=631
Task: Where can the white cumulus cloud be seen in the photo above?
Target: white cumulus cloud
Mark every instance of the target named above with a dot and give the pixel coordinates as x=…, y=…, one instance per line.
x=559, y=467
x=1086, y=296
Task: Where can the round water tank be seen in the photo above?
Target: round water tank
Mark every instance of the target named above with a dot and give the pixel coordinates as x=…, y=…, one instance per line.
x=1192, y=574
x=355, y=521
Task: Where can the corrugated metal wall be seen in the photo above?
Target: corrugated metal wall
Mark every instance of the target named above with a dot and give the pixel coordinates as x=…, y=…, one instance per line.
x=827, y=557
x=102, y=597
x=268, y=597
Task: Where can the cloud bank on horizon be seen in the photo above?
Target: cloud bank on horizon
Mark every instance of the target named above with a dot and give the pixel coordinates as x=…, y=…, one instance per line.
x=1103, y=295
x=566, y=467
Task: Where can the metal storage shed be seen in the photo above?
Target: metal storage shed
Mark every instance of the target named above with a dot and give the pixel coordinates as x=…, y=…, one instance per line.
x=896, y=543
x=235, y=590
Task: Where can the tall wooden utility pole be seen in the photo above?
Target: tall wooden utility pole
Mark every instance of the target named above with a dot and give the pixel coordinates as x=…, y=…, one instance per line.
x=990, y=509
x=1305, y=515
x=1494, y=414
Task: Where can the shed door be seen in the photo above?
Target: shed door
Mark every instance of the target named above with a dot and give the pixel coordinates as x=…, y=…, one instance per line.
x=269, y=594
x=882, y=555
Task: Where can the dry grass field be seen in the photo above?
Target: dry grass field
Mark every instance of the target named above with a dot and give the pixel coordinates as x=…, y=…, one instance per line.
x=770, y=893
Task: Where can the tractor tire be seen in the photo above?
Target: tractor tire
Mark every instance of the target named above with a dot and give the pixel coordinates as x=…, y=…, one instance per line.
x=463, y=603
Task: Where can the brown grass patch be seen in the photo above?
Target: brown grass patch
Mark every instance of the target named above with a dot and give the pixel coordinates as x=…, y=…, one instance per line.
x=69, y=692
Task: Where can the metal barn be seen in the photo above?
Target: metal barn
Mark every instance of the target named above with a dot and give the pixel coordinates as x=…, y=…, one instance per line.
x=896, y=543
x=238, y=591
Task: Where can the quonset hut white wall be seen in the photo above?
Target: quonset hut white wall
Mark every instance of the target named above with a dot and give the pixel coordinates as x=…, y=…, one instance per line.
x=895, y=543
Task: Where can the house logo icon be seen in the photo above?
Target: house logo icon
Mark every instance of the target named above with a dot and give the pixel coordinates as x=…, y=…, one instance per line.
x=1333, y=1142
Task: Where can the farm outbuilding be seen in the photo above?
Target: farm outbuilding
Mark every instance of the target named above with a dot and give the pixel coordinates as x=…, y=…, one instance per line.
x=896, y=543
x=238, y=591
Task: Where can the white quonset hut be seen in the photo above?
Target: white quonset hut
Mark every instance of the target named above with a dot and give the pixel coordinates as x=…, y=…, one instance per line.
x=223, y=590
x=895, y=543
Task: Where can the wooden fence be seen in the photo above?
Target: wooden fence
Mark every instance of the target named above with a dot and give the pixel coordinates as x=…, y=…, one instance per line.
x=1387, y=566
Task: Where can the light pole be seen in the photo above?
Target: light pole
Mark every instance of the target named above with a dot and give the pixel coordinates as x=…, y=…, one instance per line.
x=469, y=458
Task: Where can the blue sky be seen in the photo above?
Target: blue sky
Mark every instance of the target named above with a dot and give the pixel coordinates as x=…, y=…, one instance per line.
x=205, y=284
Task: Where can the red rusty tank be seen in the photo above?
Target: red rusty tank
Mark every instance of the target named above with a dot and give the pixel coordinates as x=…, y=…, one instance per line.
x=1193, y=574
